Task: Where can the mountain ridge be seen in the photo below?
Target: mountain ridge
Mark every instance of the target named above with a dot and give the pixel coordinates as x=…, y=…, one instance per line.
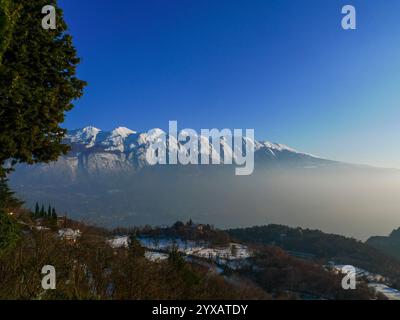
x=125, y=148
x=105, y=179
x=92, y=133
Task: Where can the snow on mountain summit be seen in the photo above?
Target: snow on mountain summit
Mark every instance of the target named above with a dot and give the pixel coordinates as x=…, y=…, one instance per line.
x=86, y=136
x=122, y=131
x=151, y=136
x=115, y=140
x=125, y=140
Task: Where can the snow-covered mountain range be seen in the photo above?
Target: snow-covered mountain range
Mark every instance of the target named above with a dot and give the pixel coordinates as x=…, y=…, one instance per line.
x=96, y=152
x=106, y=179
x=126, y=140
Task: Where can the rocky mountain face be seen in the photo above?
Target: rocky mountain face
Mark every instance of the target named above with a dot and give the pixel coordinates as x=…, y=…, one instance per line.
x=98, y=153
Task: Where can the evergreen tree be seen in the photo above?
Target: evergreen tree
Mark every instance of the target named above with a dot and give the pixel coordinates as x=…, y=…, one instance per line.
x=37, y=83
x=37, y=210
x=7, y=198
x=48, y=215
x=42, y=212
x=8, y=16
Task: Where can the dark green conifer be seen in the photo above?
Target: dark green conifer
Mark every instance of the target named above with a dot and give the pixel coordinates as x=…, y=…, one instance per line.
x=42, y=212
x=37, y=210
x=37, y=83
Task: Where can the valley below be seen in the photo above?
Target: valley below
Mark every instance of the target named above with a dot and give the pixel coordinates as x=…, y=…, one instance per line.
x=105, y=181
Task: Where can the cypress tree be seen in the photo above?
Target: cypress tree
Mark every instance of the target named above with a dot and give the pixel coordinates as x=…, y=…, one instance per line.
x=42, y=213
x=37, y=210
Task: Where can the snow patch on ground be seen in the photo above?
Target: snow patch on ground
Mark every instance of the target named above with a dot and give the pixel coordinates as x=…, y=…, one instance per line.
x=69, y=234
x=232, y=255
x=390, y=293
x=155, y=256
x=360, y=273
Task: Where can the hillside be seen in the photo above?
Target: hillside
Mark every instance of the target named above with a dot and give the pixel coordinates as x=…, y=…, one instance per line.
x=389, y=244
x=157, y=263
x=186, y=260
x=318, y=246
x=88, y=267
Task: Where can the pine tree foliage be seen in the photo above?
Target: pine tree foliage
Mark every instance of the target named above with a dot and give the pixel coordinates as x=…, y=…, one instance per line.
x=8, y=16
x=7, y=198
x=37, y=210
x=38, y=83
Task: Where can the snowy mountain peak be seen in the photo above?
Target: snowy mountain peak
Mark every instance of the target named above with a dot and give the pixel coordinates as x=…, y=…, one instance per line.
x=126, y=142
x=151, y=136
x=122, y=131
x=85, y=135
x=91, y=129
x=85, y=132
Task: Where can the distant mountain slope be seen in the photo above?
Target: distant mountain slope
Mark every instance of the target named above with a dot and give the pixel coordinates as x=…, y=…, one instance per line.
x=95, y=152
x=334, y=247
x=106, y=180
x=389, y=244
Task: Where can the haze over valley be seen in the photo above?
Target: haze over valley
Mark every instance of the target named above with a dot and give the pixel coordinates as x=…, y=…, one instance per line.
x=105, y=180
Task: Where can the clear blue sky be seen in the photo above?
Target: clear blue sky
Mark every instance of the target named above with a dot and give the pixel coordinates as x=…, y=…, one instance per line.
x=284, y=68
